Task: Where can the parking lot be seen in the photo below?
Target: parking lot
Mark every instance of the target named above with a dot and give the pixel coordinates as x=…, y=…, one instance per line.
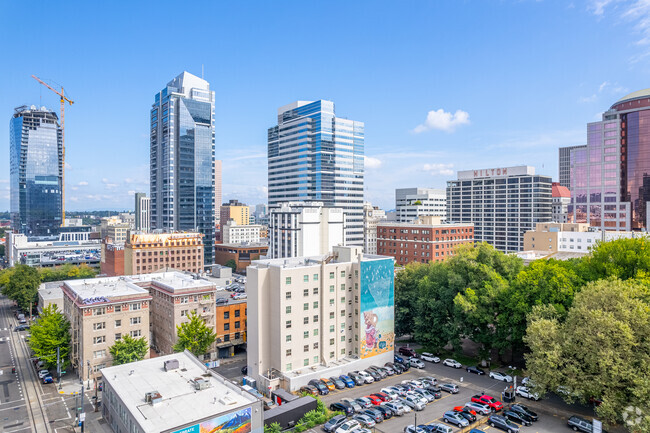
x=552, y=413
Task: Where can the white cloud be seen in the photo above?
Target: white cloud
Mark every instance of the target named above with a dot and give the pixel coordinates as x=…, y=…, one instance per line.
x=443, y=121
x=586, y=99
x=74, y=188
x=598, y=6
x=83, y=183
x=439, y=169
x=128, y=180
x=111, y=185
x=4, y=180
x=73, y=198
x=250, y=156
x=370, y=162
x=634, y=12
x=104, y=180
x=131, y=192
x=605, y=87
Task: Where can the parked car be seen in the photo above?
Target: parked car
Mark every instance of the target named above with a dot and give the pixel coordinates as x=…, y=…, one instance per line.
x=309, y=389
x=364, y=402
x=451, y=363
x=380, y=371
x=358, y=380
x=407, y=403
x=334, y=423
x=348, y=426
x=374, y=400
x=494, y=404
x=382, y=396
x=395, y=406
x=19, y=328
x=429, y=379
x=390, y=392
x=481, y=408
x=451, y=417
x=351, y=407
x=340, y=407
x=385, y=411
x=500, y=376
x=418, y=402
x=329, y=384
x=580, y=424
x=440, y=428
x=395, y=366
x=413, y=429
x=414, y=383
x=429, y=357
x=43, y=373
x=450, y=388
x=365, y=420
x=48, y=379
x=404, y=362
x=390, y=369
x=466, y=412
x=347, y=380
x=416, y=362
x=526, y=393
x=474, y=369
x=374, y=414
x=426, y=395
x=434, y=390
x=525, y=410
x=376, y=376
x=320, y=386
x=367, y=378
x=517, y=417
x=352, y=402
x=503, y=423
x=338, y=383
x=407, y=351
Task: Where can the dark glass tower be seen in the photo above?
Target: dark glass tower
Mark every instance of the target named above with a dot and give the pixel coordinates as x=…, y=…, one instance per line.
x=36, y=170
x=183, y=159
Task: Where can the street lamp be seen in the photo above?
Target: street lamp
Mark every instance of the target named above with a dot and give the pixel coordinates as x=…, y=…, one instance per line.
x=88, y=387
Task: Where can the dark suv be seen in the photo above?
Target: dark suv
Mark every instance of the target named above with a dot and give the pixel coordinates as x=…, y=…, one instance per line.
x=333, y=423
x=320, y=386
x=407, y=351
x=580, y=424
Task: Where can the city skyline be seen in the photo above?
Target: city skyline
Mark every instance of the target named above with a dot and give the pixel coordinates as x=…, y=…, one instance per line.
x=427, y=112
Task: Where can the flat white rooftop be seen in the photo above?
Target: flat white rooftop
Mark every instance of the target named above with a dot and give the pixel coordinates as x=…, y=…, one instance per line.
x=180, y=403
x=173, y=281
x=110, y=287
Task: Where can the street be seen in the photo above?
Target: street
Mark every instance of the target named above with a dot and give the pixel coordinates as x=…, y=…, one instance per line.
x=553, y=413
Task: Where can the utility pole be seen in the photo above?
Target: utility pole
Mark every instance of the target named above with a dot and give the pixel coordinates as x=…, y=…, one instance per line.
x=58, y=365
x=88, y=376
x=82, y=414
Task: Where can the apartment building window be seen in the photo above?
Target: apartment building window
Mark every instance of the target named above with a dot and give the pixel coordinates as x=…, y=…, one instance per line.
x=342, y=313
x=315, y=277
x=287, y=338
x=237, y=324
x=305, y=292
x=331, y=275
x=315, y=359
x=226, y=337
x=289, y=367
x=316, y=345
x=315, y=304
x=118, y=308
x=238, y=312
x=183, y=313
x=316, y=332
x=342, y=274
x=342, y=338
x=99, y=325
x=356, y=273
x=305, y=348
x=342, y=325
x=287, y=324
x=100, y=311
x=99, y=354
x=343, y=351
x=316, y=318
x=343, y=287
x=226, y=315
x=331, y=315
x=331, y=354
x=305, y=306
x=98, y=367
x=331, y=341
x=332, y=288
x=288, y=309
x=305, y=278
x=288, y=281
x=136, y=306
x=342, y=299
x=315, y=291
x=118, y=337
x=118, y=323
x=136, y=333
x=331, y=328
x=136, y=320
x=305, y=362
x=226, y=326
x=99, y=340
x=287, y=352
x=287, y=295
x=305, y=334
x=305, y=320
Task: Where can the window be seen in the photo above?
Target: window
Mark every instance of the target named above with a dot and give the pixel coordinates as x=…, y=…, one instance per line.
x=316, y=345
x=332, y=288
x=288, y=280
x=118, y=337
x=118, y=308
x=287, y=324
x=315, y=277
x=356, y=273
x=305, y=348
x=342, y=338
x=136, y=333
x=305, y=278
x=305, y=306
x=287, y=295
x=237, y=325
x=342, y=274
x=331, y=302
x=118, y=323
x=331, y=341
x=343, y=287
x=100, y=311
x=226, y=337
x=288, y=352
x=305, y=320
x=287, y=338
x=331, y=275
x=331, y=315
x=315, y=304
x=136, y=306
x=305, y=292
x=343, y=351
x=237, y=312
x=98, y=326
x=331, y=354
x=305, y=361
x=99, y=354
x=289, y=367
x=316, y=332
x=331, y=328
x=305, y=334
x=136, y=320
x=342, y=299
x=99, y=340
x=226, y=326
x=288, y=309
x=184, y=313
x=342, y=313
x=316, y=318
x=315, y=359
x=315, y=291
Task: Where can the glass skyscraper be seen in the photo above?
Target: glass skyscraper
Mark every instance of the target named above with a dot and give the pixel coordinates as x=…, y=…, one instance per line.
x=315, y=156
x=36, y=171
x=610, y=178
x=182, y=159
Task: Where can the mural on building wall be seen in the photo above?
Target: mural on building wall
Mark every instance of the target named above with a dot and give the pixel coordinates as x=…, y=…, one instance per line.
x=235, y=422
x=377, y=307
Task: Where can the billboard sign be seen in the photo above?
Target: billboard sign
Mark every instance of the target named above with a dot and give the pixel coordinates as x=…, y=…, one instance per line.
x=377, y=307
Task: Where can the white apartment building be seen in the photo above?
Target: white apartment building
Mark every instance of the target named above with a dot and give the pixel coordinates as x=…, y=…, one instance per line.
x=411, y=203
x=234, y=233
x=298, y=229
x=319, y=316
x=372, y=215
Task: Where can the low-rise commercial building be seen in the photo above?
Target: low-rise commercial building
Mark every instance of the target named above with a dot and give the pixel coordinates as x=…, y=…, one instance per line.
x=231, y=327
x=410, y=203
x=425, y=240
x=319, y=316
x=236, y=211
x=75, y=248
x=233, y=233
x=50, y=293
x=176, y=394
x=149, y=252
x=242, y=254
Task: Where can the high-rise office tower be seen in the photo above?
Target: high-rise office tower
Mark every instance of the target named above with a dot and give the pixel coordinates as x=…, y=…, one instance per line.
x=182, y=159
x=610, y=178
x=564, y=166
x=36, y=170
x=315, y=156
x=411, y=203
x=142, y=212
x=217, y=188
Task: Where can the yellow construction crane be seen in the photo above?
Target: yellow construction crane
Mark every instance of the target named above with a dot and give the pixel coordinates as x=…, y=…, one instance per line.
x=63, y=101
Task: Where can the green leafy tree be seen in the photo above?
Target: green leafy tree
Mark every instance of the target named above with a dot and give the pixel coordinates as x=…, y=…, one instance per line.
x=194, y=336
x=601, y=349
x=406, y=296
x=52, y=330
x=129, y=349
x=231, y=264
x=22, y=286
x=272, y=428
x=620, y=258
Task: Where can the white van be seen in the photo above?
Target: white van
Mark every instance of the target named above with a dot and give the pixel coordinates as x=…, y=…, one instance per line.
x=366, y=376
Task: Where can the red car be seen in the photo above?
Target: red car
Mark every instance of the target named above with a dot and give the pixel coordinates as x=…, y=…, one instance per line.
x=494, y=404
x=375, y=400
x=464, y=409
x=381, y=396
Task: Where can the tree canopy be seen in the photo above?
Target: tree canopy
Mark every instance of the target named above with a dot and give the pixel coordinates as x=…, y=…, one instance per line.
x=20, y=284
x=194, y=336
x=129, y=349
x=50, y=331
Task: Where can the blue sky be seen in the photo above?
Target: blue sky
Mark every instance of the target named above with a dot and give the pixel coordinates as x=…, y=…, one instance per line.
x=441, y=85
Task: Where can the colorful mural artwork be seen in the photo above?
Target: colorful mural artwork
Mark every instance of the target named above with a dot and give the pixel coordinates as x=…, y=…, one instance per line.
x=235, y=422
x=377, y=307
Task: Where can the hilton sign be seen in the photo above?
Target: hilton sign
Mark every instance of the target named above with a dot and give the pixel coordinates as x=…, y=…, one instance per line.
x=491, y=172
x=496, y=172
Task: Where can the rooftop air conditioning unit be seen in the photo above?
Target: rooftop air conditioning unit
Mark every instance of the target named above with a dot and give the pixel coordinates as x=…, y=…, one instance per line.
x=200, y=383
x=152, y=397
x=171, y=364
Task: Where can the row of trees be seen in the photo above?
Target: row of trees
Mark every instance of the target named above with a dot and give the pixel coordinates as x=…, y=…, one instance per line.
x=554, y=312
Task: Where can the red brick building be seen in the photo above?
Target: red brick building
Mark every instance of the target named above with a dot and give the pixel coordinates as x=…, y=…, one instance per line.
x=242, y=254
x=423, y=241
x=112, y=262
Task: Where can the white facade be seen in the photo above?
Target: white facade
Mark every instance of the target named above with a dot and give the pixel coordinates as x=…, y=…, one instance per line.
x=236, y=234
x=142, y=212
x=411, y=203
x=561, y=209
x=583, y=242
x=308, y=317
x=72, y=247
x=298, y=229
x=372, y=215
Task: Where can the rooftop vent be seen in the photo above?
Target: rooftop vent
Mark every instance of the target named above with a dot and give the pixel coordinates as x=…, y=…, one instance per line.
x=152, y=397
x=200, y=383
x=171, y=364
x=227, y=400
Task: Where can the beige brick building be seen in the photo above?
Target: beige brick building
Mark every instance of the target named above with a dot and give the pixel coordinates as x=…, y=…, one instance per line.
x=149, y=252
x=102, y=311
